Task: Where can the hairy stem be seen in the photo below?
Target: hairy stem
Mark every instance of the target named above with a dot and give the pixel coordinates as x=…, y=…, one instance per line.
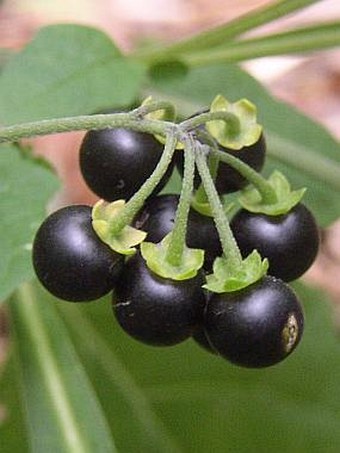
x=177, y=242
x=266, y=191
x=231, y=120
x=86, y=122
x=228, y=242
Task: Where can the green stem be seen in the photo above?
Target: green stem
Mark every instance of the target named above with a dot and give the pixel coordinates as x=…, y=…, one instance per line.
x=136, y=202
x=265, y=189
x=200, y=194
x=296, y=41
x=228, y=242
x=86, y=122
x=177, y=242
x=153, y=106
x=231, y=120
x=226, y=32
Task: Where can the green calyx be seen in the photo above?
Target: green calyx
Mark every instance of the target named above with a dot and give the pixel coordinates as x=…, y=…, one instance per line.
x=104, y=216
x=204, y=208
x=228, y=278
x=286, y=199
x=242, y=129
x=155, y=256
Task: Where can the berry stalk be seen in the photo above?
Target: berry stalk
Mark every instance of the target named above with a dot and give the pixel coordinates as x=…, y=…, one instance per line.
x=228, y=242
x=265, y=189
x=177, y=243
x=232, y=122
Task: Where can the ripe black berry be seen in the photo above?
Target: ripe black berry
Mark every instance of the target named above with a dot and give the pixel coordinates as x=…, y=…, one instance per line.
x=289, y=241
x=70, y=260
x=116, y=162
x=155, y=310
x=257, y=326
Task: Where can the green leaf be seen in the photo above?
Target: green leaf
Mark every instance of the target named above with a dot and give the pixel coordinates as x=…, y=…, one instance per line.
x=25, y=188
x=297, y=146
x=12, y=421
x=63, y=414
x=136, y=424
x=66, y=70
x=207, y=404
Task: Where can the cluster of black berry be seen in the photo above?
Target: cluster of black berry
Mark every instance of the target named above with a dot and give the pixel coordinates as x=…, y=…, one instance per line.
x=256, y=325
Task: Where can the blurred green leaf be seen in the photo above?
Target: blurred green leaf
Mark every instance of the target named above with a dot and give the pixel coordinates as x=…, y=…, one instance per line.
x=208, y=404
x=62, y=411
x=297, y=146
x=304, y=39
x=11, y=409
x=66, y=70
x=136, y=425
x=225, y=33
x=25, y=188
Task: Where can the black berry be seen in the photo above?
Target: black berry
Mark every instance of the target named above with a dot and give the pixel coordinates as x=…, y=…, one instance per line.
x=70, y=260
x=116, y=162
x=155, y=310
x=289, y=241
x=257, y=326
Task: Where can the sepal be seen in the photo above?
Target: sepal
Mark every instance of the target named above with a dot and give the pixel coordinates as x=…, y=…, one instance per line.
x=226, y=278
x=103, y=218
x=250, y=199
x=155, y=257
x=244, y=132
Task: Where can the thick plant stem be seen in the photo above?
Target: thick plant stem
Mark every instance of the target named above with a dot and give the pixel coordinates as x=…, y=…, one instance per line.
x=177, y=242
x=265, y=189
x=136, y=202
x=86, y=122
x=228, y=242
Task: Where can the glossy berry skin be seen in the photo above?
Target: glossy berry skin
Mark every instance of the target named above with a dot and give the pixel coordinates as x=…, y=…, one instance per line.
x=69, y=259
x=289, y=241
x=116, y=162
x=155, y=310
x=201, y=339
x=255, y=327
x=229, y=180
x=157, y=219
